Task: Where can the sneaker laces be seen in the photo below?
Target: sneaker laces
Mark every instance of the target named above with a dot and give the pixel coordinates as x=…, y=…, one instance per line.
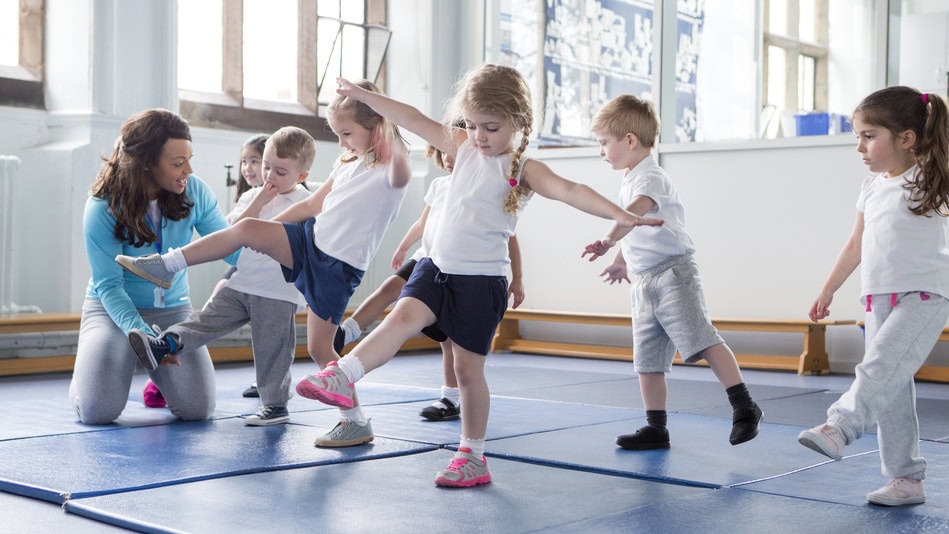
x=457, y=463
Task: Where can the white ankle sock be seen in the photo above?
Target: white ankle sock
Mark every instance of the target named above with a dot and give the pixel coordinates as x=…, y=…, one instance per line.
x=174, y=260
x=351, y=367
x=355, y=415
x=351, y=329
x=476, y=445
x=451, y=394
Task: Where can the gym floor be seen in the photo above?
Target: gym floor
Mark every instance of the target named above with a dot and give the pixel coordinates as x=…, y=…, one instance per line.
x=550, y=450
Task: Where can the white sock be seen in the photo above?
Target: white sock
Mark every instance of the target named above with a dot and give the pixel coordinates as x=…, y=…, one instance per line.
x=451, y=394
x=351, y=367
x=174, y=260
x=355, y=415
x=351, y=329
x=476, y=445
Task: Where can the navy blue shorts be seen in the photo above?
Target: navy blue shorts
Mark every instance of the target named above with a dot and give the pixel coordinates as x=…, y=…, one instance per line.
x=432, y=331
x=467, y=308
x=326, y=283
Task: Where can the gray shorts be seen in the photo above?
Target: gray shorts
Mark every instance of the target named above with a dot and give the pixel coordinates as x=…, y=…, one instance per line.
x=669, y=314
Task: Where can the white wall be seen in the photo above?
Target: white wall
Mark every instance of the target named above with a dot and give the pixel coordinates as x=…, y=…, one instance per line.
x=768, y=219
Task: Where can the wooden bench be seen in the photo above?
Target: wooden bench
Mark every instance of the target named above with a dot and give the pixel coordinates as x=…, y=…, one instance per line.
x=933, y=373
x=812, y=359
x=69, y=322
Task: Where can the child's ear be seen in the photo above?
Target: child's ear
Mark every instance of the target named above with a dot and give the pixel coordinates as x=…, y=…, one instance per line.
x=632, y=141
x=303, y=176
x=907, y=139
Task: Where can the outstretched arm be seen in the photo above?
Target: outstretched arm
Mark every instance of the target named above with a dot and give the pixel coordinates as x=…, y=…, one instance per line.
x=404, y=115
x=311, y=206
x=847, y=262
x=412, y=236
x=639, y=206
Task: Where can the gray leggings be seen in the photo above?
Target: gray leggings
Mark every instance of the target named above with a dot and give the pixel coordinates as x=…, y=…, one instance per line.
x=898, y=340
x=105, y=364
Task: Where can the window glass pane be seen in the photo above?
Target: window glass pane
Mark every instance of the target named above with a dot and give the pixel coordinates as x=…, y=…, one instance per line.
x=328, y=8
x=726, y=83
x=353, y=12
x=354, y=49
x=328, y=56
x=200, y=42
x=924, y=55
x=805, y=83
x=270, y=49
x=806, y=21
x=777, y=66
x=778, y=16
x=10, y=32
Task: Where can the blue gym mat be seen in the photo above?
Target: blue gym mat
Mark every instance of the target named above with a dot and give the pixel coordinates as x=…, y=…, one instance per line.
x=811, y=410
x=734, y=511
x=22, y=515
x=45, y=417
x=509, y=417
x=849, y=481
x=231, y=402
x=683, y=394
x=55, y=468
x=390, y=495
x=700, y=453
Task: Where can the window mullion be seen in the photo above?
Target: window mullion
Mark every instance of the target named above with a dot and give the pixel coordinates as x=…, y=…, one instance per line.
x=307, y=87
x=232, y=74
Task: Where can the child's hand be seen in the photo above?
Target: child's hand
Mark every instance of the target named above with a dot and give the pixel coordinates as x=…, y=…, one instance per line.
x=169, y=359
x=345, y=87
x=597, y=248
x=516, y=289
x=398, y=259
x=268, y=192
x=615, y=272
x=821, y=307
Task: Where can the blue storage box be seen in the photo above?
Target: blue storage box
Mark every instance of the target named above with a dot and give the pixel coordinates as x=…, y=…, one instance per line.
x=812, y=123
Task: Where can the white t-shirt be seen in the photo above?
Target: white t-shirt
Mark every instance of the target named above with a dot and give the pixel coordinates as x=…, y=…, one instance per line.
x=900, y=251
x=648, y=246
x=357, y=212
x=472, y=230
x=433, y=199
x=259, y=274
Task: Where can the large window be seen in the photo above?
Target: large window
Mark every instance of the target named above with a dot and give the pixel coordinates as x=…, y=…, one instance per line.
x=21, y=53
x=263, y=64
x=718, y=70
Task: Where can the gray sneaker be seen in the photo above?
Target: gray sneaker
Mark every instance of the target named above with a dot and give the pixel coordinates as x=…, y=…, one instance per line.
x=268, y=415
x=346, y=434
x=150, y=267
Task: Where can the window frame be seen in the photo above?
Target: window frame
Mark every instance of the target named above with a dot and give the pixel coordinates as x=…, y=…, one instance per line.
x=795, y=48
x=229, y=109
x=22, y=85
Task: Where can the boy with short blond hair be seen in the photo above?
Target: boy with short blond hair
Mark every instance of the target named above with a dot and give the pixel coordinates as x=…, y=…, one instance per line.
x=257, y=292
x=668, y=304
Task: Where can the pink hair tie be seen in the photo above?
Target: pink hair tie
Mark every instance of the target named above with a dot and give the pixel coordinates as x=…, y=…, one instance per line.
x=925, y=98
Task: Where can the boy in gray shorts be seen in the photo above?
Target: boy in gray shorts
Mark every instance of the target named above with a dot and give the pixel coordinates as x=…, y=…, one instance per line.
x=669, y=311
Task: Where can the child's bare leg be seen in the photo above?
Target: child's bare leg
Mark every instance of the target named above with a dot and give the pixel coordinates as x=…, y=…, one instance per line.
x=475, y=396
x=723, y=363
x=654, y=435
x=448, y=364
x=746, y=415
x=266, y=237
x=408, y=317
x=448, y=406
x=381, y=298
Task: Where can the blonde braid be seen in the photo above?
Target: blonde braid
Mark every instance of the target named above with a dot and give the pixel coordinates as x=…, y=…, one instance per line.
x=512, y=202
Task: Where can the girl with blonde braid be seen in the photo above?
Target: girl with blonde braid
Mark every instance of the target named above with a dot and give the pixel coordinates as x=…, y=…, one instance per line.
x=461, y=287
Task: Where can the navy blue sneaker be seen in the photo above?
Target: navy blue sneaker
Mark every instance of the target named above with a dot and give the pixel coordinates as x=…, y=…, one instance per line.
x=150, y=349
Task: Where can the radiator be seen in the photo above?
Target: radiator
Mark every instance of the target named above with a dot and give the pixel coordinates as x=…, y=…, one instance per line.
x=8, y=171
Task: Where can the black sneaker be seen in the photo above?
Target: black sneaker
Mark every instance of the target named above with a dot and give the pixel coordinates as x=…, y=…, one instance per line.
x=441, y=410
x=646, y=438
x=251, y=391
x=745, y=423
x=150, y=349
x=268, y=415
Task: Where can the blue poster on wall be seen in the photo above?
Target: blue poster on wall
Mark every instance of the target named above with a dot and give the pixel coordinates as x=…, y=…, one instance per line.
x=590, y=52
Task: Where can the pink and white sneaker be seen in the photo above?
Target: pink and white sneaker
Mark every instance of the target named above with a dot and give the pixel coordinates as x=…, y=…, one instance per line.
x=825, y=439
x=329, y=386
x=464, y=471
x=899, y=492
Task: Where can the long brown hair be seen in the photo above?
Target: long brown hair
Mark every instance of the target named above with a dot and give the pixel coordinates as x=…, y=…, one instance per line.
x=502, y=91
x=257, y=142
x=124, y=177
x=899, y=109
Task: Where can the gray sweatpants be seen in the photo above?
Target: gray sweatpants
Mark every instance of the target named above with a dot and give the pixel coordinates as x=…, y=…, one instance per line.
x=105, y=364
x=273, y=335
x=898, y=340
